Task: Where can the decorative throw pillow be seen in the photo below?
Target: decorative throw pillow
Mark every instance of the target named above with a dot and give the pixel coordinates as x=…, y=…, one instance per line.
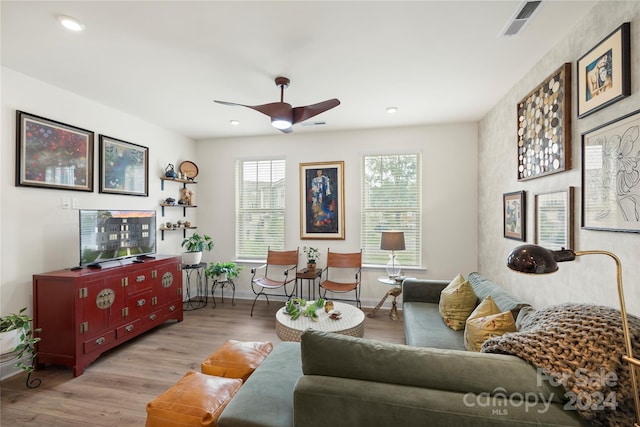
x=485, y=322
x=457, y=301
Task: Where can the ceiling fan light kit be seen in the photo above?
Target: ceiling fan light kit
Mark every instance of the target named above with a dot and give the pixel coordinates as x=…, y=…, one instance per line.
x=282, y=115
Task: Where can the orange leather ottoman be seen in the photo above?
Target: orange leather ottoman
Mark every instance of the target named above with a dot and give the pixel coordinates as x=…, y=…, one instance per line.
x=196, y=400
x=236, y=359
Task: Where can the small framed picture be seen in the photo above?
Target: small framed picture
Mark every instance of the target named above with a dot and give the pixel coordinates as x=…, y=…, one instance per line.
x=611, y=176
x=604, y=73
x=322, y=200
x=554, y=219
x=124, y=167
x=51, y=154
x=514, y=210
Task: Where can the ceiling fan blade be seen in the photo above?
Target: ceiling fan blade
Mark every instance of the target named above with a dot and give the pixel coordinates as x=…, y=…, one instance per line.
x=273, y=109
x=301, y=114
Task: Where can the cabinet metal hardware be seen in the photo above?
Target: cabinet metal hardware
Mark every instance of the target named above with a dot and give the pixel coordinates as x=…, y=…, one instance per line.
x=100, y=341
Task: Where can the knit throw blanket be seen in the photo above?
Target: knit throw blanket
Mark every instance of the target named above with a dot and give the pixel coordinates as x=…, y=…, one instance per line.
x=580, y=347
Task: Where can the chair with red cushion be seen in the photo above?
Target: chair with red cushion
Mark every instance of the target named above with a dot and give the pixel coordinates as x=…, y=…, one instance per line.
x=342, y=274
x=279, y=271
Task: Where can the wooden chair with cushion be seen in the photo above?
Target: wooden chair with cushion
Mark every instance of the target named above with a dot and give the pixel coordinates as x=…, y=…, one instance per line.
x=279, y=271
x=342, y=275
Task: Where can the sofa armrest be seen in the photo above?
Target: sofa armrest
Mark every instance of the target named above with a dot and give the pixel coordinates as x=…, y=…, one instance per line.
x=422, y=290
x=334, y=355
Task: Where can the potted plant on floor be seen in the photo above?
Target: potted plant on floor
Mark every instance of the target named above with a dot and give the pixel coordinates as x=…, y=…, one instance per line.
x=223, y=271
x=312, y=256
x=195, y=245
x=17, y=340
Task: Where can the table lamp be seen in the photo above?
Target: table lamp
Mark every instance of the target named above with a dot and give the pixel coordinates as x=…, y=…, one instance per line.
x=392, y=241
x=535, y=259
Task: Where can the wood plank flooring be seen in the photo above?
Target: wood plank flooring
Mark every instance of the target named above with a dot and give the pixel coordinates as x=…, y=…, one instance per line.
x=114, y=390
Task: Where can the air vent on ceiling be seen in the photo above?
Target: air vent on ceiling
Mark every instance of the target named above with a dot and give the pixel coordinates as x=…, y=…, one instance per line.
x=522, y=16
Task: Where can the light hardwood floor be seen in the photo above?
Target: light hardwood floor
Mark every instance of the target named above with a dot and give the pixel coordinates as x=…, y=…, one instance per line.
x=114, y=390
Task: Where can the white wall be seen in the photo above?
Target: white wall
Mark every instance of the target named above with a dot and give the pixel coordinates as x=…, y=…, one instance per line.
x=36, y=234
x=589, y=279
x=448, y=183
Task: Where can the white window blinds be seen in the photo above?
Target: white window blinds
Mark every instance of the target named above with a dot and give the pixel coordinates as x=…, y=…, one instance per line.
x=391, y=200
x=260, y=207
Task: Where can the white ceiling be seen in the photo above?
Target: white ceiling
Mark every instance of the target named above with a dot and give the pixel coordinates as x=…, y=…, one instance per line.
x=166, y=61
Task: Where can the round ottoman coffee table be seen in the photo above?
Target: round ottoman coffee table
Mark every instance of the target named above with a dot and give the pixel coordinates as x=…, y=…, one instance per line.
x=351, y=323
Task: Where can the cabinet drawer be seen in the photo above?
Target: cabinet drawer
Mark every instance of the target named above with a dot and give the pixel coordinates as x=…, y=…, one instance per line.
x=155, y=318
x=128, y=329
x=140, y=280
x=140, y=304
x=99, y=342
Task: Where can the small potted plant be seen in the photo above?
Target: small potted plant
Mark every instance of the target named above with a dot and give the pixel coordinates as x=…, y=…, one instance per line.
x=195, y=245
x=16, y=336
x=223, y=270
x=312, y=256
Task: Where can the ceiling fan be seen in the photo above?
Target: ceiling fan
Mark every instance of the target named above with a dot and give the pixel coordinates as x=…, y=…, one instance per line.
x=282, y=115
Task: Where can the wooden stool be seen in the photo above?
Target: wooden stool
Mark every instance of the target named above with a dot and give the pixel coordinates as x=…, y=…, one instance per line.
x=195, y=400
x=236, y=359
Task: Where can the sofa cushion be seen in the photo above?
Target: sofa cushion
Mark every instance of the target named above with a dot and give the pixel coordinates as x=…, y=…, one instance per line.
x=457, y=301
x=486, y=321
x=484, y=287
x=424, y=327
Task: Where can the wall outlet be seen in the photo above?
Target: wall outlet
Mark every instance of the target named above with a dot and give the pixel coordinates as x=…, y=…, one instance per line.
x=66, y=202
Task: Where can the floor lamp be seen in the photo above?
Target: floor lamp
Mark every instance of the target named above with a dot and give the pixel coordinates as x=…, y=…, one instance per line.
x=535, y=259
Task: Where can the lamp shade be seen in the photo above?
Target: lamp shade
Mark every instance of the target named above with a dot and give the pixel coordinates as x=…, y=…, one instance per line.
x=532, y=259
x=392, y=241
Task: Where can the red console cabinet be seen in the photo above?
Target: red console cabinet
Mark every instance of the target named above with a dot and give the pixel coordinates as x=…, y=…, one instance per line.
x=81, y=314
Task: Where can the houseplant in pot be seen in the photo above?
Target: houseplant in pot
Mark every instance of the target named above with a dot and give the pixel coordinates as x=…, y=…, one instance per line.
x=312, y=256
x=195, y=245
x=223, y=270
x=17, y=340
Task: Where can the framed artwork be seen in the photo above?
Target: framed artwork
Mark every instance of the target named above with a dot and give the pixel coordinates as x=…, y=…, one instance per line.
x=124, y=167
x=611, y=175
x=514, y=210
x=50, y=154
x=544, y=127
x=554, y=219
x=322, y=200
x=604, y=73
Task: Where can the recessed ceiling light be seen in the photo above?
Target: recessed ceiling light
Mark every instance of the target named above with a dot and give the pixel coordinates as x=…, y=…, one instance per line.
x=392, y=110
x=70, y=23
x=234, y=122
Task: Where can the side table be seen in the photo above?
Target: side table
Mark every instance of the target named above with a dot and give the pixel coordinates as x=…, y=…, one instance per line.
x=223, y=283
x=310, y=275
x=397, y=290
x=199, y=299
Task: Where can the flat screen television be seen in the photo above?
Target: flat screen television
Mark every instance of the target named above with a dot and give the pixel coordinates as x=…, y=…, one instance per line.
x=109, y=235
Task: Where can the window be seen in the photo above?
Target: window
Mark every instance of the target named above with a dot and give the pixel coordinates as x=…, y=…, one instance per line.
x=260, y=207
x=391, y=201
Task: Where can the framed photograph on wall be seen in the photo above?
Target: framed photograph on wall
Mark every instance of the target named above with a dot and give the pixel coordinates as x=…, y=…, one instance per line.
x=611, y=175
x=554, y=219
x=51, y=154
x=604, y=73
x=322, y=200
x=544, y=127
x=514, y=211
x=124, y=167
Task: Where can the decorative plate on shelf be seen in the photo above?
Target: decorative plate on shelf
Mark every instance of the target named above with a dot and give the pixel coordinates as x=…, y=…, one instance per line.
x=189, y=168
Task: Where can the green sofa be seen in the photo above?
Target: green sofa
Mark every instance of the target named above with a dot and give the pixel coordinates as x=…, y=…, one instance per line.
x=331, y=379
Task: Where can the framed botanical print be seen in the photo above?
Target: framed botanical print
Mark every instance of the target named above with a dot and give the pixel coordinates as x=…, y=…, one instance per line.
x=51, y=154
x=514, y=215
x=611, y=175
x=124, y=167
x=322, y=200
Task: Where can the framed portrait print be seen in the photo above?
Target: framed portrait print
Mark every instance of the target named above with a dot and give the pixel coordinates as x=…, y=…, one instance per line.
x=554, y=219
x=322, y=200
x=544, y=127
x=604, y=73
x=124, y=167
x=514, y=210
x=611, y=175
x=51, y=154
